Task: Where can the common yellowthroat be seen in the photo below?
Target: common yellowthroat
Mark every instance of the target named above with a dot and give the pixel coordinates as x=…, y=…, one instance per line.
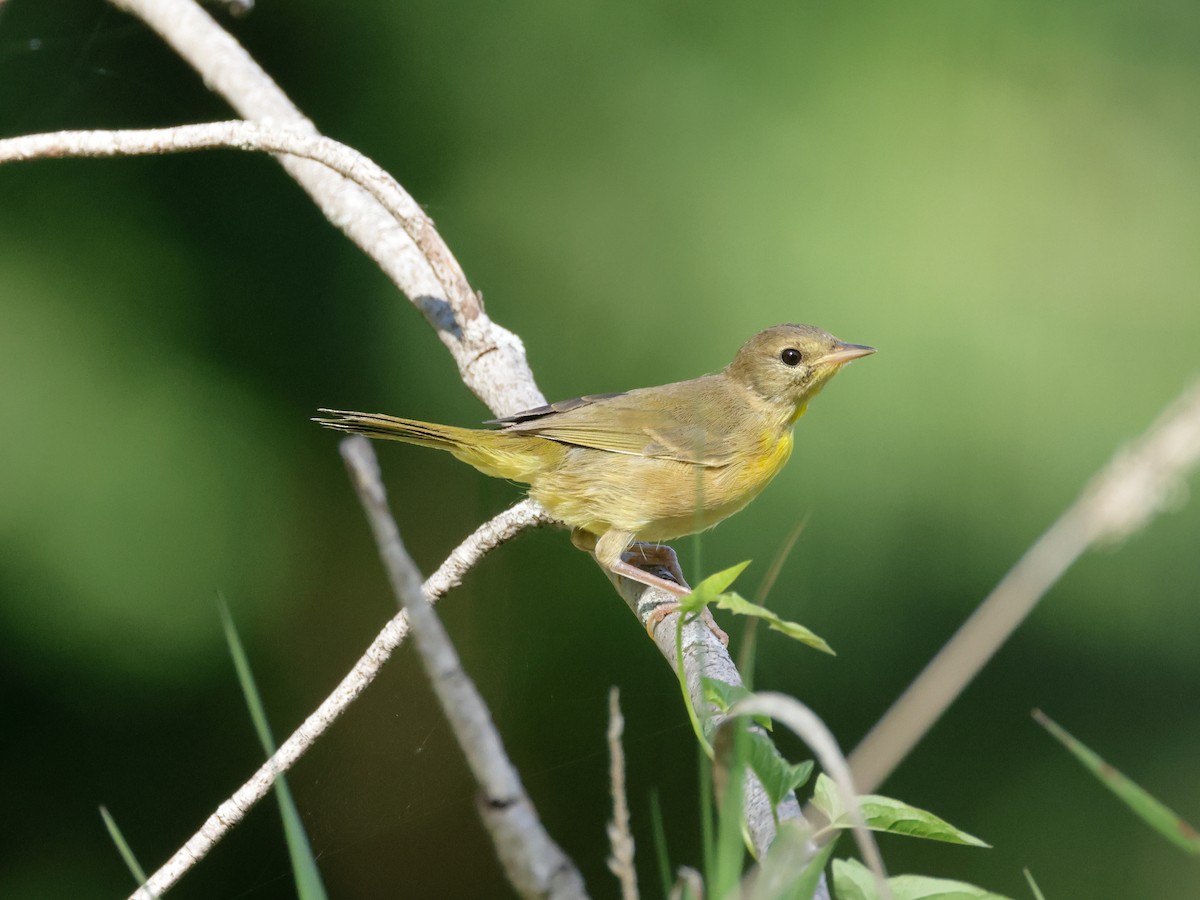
x=651, y=464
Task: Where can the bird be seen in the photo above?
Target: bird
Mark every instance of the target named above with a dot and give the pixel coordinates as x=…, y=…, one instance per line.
x=628, y=471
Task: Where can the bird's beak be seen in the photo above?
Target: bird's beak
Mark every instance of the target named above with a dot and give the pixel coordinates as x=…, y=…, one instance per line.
x=845, y=353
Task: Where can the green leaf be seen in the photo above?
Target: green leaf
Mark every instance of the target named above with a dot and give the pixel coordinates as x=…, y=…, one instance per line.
x=711, y=588
x=888, y=815
x=304, y=865
x=723, y=695
x=854, y=881
x=1147, y=808
x=779, y=777
x=782, y=874
x=922, y=887
x=739, y=605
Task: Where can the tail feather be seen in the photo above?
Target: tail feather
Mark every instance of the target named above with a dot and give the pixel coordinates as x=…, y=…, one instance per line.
x=379, y=426
x=496, y=453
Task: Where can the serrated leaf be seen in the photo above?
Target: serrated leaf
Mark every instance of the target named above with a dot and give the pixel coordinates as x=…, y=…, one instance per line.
x=739, y=605
x=888, y=815
x=778, y=776
x=1155, y=814
x=711, y=588
x=854, y=881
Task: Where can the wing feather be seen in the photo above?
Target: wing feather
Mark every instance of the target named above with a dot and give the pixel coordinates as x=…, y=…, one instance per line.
x=667, y=422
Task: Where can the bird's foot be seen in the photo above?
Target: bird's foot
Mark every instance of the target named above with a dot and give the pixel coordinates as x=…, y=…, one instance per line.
x=656, y=561
x=654, y=565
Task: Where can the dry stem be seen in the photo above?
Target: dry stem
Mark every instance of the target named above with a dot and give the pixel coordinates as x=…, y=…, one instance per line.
x=620, y=863
x=1137, y=484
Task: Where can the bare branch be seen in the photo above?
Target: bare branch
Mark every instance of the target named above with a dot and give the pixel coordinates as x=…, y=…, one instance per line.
x=490, y=359
x=619, y=836
x=534, y=864
x=449, y=575
x=242, y=135
x=1137, y=484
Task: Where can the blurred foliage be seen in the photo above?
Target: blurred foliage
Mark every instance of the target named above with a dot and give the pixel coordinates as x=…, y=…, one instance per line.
x=1002, y=197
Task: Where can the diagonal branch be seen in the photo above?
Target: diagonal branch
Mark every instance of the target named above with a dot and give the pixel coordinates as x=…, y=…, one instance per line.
x=535, y=865
x=449, y=575
x=1136, y=485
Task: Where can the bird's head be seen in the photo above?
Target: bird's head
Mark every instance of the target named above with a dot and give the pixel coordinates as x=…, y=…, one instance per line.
x=789, y=364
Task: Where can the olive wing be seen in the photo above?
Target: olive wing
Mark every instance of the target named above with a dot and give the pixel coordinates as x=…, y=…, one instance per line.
x=684, y=422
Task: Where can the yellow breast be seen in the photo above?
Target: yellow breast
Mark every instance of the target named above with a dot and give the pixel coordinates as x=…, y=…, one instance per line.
x=656, y=499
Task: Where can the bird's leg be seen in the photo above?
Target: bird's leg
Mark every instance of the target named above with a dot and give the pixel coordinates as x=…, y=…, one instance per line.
x=615, y=550
x=662, y=557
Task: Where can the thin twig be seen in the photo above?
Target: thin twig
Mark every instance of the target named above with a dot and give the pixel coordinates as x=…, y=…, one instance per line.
x=238, y=134
x=485, y=538
x=1136, y=485
x=534, y=864
x=620, y=838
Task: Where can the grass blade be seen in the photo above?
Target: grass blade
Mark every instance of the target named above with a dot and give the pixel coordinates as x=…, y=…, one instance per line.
x=1037, y=891
x=660, y=844
x=304, y=866
x=1146, y=807
x=135, y=869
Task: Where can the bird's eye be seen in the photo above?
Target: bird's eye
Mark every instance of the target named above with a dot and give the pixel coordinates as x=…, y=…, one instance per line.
x=791, y=357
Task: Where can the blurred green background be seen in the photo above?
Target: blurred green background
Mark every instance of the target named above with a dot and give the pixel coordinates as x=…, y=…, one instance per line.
x=1003, y=197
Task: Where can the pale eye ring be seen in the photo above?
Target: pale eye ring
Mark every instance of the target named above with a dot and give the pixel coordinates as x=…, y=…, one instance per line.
x=791, y=357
